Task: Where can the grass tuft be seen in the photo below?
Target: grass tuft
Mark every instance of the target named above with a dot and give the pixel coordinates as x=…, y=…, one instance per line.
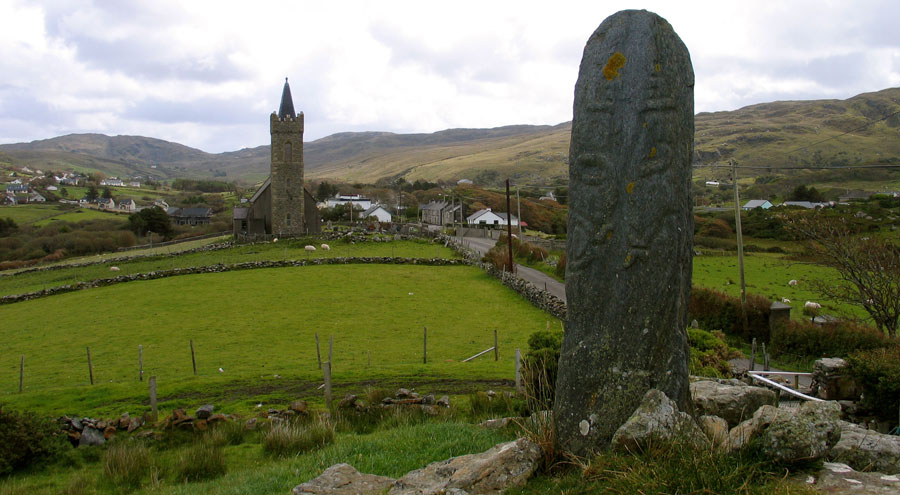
x=289, y=439
x=201, y=461
x=125, y=464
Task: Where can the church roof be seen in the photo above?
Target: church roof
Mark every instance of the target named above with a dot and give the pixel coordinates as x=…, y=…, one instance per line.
x=287, y=103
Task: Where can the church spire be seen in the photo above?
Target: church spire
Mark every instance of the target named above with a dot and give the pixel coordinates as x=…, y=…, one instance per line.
x=287, y=103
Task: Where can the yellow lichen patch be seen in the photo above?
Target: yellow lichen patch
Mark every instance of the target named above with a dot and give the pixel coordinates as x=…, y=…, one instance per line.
x=645, y=125
x=652, y=152
x=658, y=67
x=615, y=62
x=627, y=260
x=629, y=187
x=609, y=235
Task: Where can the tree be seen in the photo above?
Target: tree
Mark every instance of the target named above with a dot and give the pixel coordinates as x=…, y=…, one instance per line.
x=868, y=267
x=92, y=193
x=152, y=219
x=64, y=192
x=325, y=191
x=802, y=193
x=107, y=193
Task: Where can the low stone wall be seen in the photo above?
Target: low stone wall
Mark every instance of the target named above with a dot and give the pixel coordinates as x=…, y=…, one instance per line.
x=218, y=268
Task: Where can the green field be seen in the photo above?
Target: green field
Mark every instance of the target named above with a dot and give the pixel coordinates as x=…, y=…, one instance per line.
x=42, y=214
x=254, y=325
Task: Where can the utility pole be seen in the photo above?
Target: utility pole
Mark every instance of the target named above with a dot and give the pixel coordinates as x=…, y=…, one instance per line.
x=740, y=242
x=519, y=214
x=509, y=229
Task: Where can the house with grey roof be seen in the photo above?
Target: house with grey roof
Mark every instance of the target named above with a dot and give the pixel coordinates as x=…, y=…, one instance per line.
x=757, y=203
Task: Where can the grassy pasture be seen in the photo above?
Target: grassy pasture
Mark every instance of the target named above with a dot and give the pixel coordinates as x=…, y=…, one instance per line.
x=256, y=324
x=42, y=214
x=293, y=249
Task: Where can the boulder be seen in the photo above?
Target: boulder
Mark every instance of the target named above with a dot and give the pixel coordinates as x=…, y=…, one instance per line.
x=444, y=401
x=299, y=406
x=496, y=424
x=656, y=418
x=715, y=428
x=733, y=403
x=494, y=471
x=124, y=421
x=91, y=436
x=791, y=436
x=348, y=402
x=205, y=411
x=109, y=432
x=867, y=449
x=344, y=479
x=841, y=478
x=830, y=380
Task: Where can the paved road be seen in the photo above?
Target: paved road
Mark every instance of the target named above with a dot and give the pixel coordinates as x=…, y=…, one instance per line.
x=535, y=277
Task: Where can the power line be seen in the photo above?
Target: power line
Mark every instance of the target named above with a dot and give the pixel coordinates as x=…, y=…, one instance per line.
x=796, y=167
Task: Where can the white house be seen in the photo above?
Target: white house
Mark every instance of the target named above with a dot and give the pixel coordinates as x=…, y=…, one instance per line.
x=712, y=183
x=106, y=204
x=35, y=197
x=112, y=182
x=356, y=199
x=804, y=204
x=127, y=205
x=134, y=183
x=488, y=217
x=757, y=203
x=378, y=212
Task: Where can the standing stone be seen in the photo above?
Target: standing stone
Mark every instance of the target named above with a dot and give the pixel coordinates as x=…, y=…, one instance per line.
x=628, y=276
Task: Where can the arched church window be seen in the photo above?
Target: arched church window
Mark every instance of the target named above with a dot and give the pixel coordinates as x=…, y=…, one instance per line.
x=287, y=152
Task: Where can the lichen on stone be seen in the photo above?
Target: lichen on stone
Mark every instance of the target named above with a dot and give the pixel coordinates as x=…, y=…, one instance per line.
x=615, y=62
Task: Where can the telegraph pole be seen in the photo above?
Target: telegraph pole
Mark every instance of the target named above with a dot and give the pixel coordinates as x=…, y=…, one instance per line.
x=740, y=243
x=509, y=229
x=519, y=213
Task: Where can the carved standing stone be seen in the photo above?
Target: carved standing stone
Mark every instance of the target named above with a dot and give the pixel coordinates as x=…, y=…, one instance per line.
x=628, y=275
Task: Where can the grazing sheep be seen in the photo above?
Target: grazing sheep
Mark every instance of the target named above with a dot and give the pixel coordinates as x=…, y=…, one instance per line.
x=275, y=240
x=113, y=268
x=793, y=282
x=326, y=247
x=812, y=305
x=310, y=248
x=785, y=300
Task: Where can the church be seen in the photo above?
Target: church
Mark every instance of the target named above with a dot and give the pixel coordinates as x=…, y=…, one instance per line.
x=281, y=206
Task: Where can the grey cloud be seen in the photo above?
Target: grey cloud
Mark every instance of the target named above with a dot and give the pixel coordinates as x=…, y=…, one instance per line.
x=199, y=111
x=21, y=104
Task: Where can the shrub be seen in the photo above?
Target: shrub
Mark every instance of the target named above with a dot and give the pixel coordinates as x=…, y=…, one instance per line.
x=292, y=439
x=710, y=353
x=540, y=367
x=201, y=461
x=126, y=463
x=561, y=266
x=804, y=339
x=483, y=405
x=26, y=440
x=228, y=433
x=715, y=309
x=877, y=371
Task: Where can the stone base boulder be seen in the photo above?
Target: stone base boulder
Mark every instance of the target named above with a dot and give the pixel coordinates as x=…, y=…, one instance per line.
x=866, y=449
x=788, y=436
x=830, y=380
x=841, y=478
x=344, y=479
x=733, y=401
x=656, y=418
x=494, y=471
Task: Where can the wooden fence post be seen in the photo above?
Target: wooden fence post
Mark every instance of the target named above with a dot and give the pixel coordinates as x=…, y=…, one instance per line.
x=193, y=359
x=21, y=372
x=753, y=355
x=141, y=362
x=330, y=349
x=518, y=371
x=318, y=353
x=496, y=351
x=90, y=365
x=153, y=410
x=425, y=345
x=326, y=368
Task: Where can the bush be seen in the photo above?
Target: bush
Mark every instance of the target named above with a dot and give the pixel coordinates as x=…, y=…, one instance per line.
x=126, y=463
x=710, y=353
x=201, y=461
x=801, y=339
x=540, y=367
x=292, y=439
x=877, y=371
x=483, y=405
x=561, y=266
x=715, y=309
x=26, y=440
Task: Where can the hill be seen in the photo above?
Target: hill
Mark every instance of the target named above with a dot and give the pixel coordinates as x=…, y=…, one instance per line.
x=774, y=135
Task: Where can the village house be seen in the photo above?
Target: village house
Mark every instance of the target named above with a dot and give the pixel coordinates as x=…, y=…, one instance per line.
x=489, y=217
x=342, y=199
x=440, y=212
x=112, y=182
x=378, y=212
x=127, y=205
x=757, y=203
x=190, y=216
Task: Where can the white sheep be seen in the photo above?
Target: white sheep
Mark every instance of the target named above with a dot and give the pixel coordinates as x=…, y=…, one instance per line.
x=785, y=300
x=310, y=249
x=113, y=268
x=812, y=305
x=326, y=247
x=793, y=282
x=275, y=240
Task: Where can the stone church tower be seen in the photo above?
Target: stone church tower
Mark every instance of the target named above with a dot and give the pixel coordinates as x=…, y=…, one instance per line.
x=286, y=128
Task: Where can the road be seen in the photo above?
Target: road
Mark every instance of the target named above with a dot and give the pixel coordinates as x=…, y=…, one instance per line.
x=535, y=277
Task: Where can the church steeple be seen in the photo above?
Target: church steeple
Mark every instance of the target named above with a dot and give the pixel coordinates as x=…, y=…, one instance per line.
x=287, y=103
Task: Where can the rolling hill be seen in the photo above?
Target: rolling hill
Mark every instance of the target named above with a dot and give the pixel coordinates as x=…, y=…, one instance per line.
x=774, y=135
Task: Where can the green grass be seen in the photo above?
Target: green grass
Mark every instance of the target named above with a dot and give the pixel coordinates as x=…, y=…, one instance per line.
x=80, y=215
x=256, y=324
x=42, y=214
x=39, y=280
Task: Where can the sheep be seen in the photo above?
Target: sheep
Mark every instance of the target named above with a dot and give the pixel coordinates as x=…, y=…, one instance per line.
x=275, y=240
x=785, y=300
x=793, y=282
x=113, y=268
x=310, y=249
x=326, y=247
x=812, y=305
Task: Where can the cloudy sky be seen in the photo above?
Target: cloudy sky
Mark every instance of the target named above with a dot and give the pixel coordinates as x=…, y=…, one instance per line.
x=208, y=73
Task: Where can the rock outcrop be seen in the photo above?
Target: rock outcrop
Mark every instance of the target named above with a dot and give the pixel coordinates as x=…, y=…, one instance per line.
x=732, y=402
x=657, y=418
x=867, y=449
x=788, y=436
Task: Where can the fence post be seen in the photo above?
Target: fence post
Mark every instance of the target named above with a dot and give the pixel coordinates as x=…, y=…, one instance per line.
x=21, y=372
x=90, y=366
x=425, y=346
x=318, y=353
x=330, y=349
x=765, y=357
x=153, y=411
x=326, y=368
x=753, y=355
x=496, y=351
x=518, y=371
x=141, y=362
x=193, y=359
